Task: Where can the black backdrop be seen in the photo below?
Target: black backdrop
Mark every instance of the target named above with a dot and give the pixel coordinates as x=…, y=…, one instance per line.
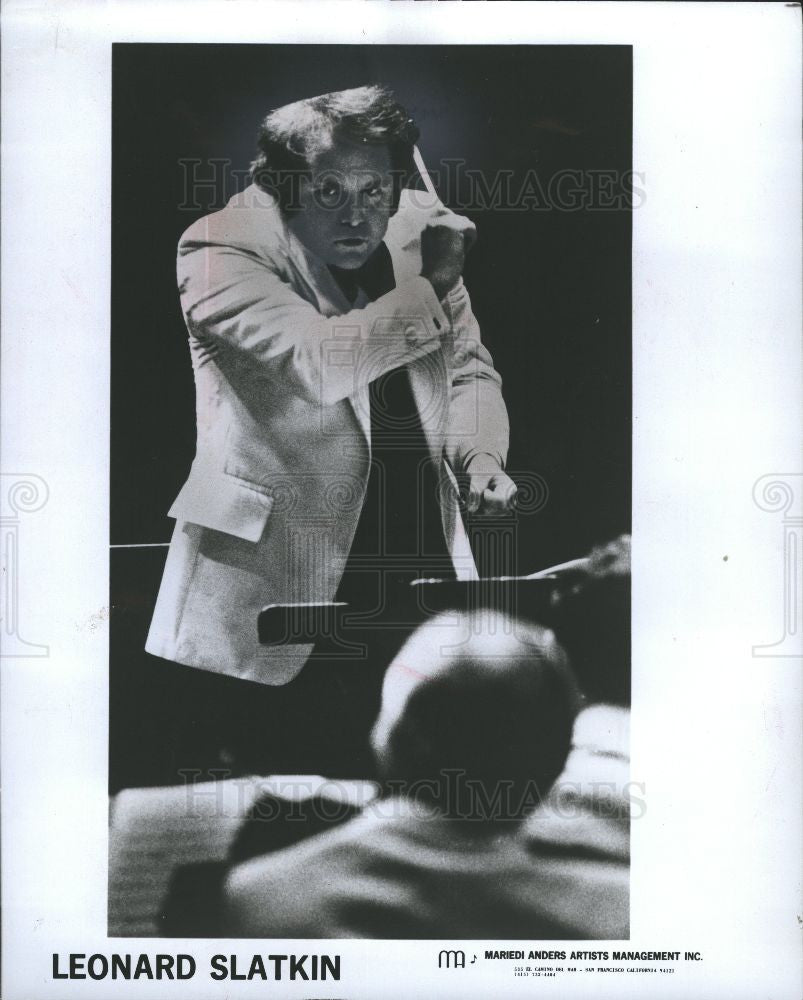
x=551, y=288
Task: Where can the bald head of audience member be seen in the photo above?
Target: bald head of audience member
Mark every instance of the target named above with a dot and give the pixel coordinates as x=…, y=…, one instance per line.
x=476, y=717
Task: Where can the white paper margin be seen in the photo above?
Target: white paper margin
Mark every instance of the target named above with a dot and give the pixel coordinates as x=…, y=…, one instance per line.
x=717, y=308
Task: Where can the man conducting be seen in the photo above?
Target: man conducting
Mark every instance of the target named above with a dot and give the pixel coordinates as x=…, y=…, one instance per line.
x=341, y=387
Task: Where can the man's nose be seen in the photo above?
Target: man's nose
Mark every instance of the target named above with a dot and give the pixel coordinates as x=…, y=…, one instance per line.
x=354, y=211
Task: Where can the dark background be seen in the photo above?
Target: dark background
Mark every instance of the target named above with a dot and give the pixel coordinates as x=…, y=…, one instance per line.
x=551, y=289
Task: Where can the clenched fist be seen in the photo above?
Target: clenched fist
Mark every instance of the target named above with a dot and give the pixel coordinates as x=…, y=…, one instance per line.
x=443, y=255
x=489, y=490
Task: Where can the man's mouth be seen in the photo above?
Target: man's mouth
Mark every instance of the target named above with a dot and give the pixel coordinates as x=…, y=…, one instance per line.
x=351, y=242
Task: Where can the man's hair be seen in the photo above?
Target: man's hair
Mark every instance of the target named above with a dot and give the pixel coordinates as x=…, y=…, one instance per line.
x=292, y=136
x=486, y=732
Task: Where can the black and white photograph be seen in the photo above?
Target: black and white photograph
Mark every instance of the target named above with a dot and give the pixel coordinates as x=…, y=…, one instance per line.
x=400, y=500
x=398, y=505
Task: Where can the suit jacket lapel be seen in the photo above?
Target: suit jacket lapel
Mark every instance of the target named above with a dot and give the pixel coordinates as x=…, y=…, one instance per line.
x=329, y=300
x=428, y=376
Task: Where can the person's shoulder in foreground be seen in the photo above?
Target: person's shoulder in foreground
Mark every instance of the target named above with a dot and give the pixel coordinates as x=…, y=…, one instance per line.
x=402, y=871
x=476, y=721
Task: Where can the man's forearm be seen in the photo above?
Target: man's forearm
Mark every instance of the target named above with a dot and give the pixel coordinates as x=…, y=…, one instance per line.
x=250, y=309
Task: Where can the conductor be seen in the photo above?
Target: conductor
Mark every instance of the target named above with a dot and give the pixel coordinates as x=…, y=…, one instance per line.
x=341, y=389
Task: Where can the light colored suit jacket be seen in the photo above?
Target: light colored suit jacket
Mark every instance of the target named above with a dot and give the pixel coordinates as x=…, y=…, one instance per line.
x=282, y=364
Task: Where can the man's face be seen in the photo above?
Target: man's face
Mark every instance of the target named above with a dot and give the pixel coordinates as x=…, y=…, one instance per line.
x=346, y=205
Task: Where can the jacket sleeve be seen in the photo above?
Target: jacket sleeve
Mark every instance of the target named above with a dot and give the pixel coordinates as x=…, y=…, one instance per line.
x=234, y=297
x=478, y=420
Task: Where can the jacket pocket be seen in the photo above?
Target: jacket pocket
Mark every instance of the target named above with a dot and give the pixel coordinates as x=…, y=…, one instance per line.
x=224, y=503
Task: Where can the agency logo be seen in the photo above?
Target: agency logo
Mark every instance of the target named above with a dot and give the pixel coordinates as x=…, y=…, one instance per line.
x=452, y=959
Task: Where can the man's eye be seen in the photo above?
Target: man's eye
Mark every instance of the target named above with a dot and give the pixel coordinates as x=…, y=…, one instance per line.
x=328, y=193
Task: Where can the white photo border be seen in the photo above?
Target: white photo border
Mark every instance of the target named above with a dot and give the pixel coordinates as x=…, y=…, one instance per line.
x=717, y=391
